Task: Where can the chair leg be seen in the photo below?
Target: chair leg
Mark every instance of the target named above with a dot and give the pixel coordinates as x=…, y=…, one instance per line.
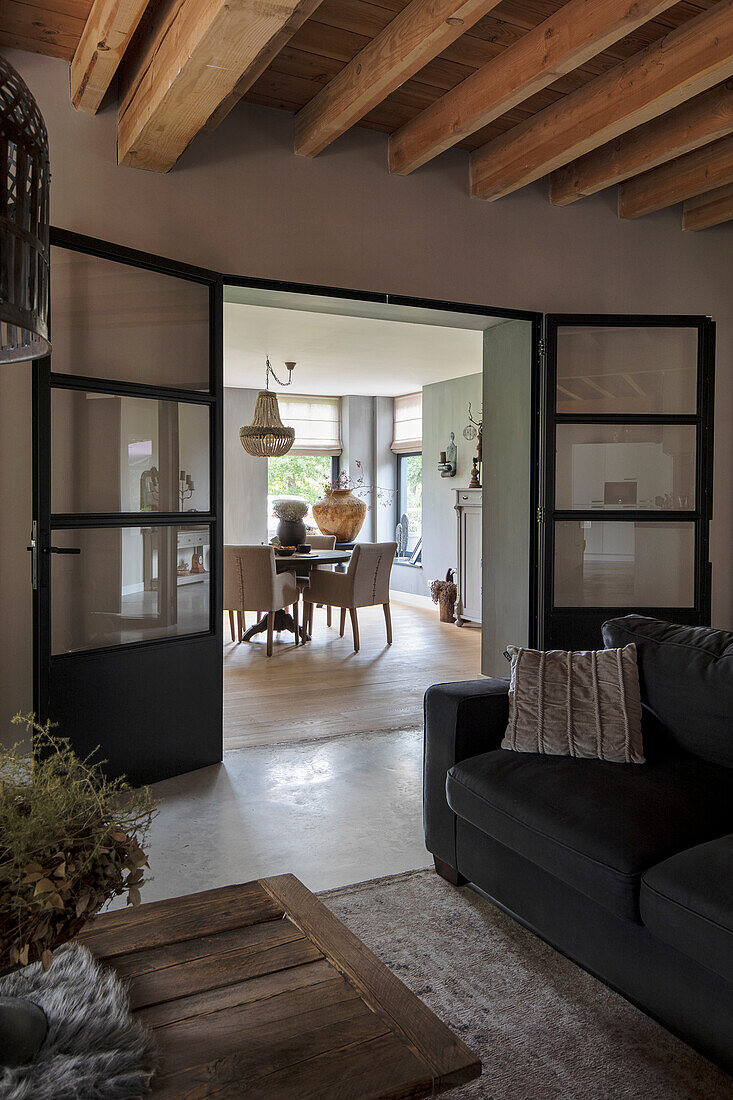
x=241, y=625
x=354, y=628
x=328, y=615
x=270, y=626
x=311, y=612
x=342, y=625
x=231, y=624
x=297, y=627
x=388, y=621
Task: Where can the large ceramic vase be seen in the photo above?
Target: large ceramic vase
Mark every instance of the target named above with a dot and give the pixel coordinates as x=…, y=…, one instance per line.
x=340, y=513
x=290, y=512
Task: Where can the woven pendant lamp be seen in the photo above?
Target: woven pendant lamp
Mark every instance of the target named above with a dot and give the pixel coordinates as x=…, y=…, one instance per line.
x=24, y=248
x=267, y=436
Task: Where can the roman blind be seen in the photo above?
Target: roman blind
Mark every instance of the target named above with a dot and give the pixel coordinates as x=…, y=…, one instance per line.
x=317, y=423
x=407, y=434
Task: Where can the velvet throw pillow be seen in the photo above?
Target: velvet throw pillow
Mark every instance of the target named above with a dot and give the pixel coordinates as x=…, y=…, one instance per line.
x=584, y=704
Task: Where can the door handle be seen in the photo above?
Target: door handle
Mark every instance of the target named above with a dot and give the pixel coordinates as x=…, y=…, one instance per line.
x=63, y=550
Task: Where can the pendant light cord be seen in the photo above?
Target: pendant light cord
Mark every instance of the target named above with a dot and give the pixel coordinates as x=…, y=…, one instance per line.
x=270, y=371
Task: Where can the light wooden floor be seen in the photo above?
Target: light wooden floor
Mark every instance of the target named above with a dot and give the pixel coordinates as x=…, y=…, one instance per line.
x=324, y=688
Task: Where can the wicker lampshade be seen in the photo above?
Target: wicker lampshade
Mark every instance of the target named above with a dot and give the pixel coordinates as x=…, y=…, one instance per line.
x=266, y=436
x=24, y=249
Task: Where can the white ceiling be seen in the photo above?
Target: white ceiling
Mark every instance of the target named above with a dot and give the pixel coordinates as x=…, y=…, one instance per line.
x=338, y=354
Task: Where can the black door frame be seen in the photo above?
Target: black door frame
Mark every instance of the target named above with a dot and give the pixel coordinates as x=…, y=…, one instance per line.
x=45, y=522
x=702, y=419
x=537, y=387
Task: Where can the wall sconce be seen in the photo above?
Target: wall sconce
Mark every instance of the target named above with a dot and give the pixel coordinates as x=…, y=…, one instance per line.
x=448, y=458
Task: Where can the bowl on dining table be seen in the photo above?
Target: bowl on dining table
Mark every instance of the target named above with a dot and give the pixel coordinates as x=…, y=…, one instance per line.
x=284, y=551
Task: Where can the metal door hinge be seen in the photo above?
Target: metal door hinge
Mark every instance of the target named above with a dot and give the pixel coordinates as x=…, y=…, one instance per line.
x=541, y=348
x=540, y=515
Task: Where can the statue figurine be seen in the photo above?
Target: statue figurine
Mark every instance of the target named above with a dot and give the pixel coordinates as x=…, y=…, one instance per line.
x=149, y=490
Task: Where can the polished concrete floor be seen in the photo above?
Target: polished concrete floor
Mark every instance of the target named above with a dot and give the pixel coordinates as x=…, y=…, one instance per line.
x=331, y=811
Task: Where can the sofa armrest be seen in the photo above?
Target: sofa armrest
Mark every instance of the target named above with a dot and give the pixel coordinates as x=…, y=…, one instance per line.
x=461, y=720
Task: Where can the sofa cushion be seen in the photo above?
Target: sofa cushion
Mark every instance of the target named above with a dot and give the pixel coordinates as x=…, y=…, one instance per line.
x=596, y=825
x=687, y=901
x=583, y=703
x=686, y=680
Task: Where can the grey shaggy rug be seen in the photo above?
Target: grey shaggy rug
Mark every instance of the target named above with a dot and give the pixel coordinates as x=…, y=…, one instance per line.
x=544, y=1029
x=94, y=1049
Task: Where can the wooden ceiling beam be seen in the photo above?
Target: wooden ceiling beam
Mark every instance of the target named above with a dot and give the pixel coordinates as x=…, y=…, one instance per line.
x=684, y=63
x=683, y=178
x=698, y=122
x=107, y=32
x=254, y=71
x=710, y=209
x=567, y=39
x=416, y=35
x=192, y=60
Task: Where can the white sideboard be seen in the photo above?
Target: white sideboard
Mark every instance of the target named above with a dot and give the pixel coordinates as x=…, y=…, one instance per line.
x=468, y=510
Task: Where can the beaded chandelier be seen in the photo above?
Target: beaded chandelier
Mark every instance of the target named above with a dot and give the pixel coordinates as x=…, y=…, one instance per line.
x=24, y=248
x=267, y=436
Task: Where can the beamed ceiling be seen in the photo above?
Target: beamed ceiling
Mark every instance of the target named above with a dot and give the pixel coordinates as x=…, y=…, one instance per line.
x=589, y=93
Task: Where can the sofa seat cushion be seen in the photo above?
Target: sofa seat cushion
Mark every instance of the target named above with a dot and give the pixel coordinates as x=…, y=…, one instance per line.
x=687, y=901
x=596, y=825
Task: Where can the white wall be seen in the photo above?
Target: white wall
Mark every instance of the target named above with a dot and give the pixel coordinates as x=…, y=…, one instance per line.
x=444, y=410
x=245, y=477
x=239, y=201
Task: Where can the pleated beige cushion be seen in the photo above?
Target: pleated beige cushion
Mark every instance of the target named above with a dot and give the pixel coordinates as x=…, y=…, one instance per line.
x=583, y=704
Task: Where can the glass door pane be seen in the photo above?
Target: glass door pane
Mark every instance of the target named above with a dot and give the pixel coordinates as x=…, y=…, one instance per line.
x=636, y=369
x=605, y=564
x=625, y=466
x=128, y=324
x=129, y=584
x=114, y=453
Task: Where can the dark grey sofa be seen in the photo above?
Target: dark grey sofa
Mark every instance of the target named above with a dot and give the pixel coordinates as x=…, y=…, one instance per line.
x=625, y=868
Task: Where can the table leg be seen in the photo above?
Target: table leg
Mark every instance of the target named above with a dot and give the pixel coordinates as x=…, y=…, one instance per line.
x=283, y=621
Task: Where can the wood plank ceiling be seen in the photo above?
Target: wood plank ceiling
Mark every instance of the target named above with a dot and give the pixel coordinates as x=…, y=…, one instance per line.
x=591, y=93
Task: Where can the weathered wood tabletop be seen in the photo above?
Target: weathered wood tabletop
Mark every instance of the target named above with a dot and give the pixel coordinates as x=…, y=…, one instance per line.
x=258, y=990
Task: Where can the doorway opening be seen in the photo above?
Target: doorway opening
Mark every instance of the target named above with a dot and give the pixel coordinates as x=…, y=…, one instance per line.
x=385, y=398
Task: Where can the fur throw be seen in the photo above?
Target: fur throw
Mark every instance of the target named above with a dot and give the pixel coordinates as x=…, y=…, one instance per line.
x=94, y=1049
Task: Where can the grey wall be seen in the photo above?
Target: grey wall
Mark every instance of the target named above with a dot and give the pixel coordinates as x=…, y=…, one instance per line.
x=240, y=201
x=385, y=469
x=245, y=478
x=506, y=479
x=444, y=410
x=357, y=439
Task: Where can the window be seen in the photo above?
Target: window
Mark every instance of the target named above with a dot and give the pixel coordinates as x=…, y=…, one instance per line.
x=296, y=475
x=409, y=507
x=317, y=423
x=407, y=434
x=312, y=462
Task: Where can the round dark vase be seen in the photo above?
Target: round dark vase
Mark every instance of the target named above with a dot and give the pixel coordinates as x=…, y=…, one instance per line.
x=23, y=1030
x=291, y=532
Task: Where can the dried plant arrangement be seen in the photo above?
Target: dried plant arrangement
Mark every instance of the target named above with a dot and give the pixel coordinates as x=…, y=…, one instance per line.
x=360, y=488
x=445, y=594
x=70, y=840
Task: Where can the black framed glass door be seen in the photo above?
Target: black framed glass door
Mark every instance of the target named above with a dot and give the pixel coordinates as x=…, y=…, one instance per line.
x=127, y=504
x=628, y=472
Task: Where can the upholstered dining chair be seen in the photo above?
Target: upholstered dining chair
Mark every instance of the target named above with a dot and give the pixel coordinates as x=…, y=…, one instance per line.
x=251, y=581
x=365, y=584
x=317, y=542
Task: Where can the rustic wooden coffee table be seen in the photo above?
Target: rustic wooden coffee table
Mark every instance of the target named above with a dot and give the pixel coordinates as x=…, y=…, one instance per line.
x=259, y=991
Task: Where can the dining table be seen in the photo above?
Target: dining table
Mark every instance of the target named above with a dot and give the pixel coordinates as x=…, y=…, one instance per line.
x=300, y=564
